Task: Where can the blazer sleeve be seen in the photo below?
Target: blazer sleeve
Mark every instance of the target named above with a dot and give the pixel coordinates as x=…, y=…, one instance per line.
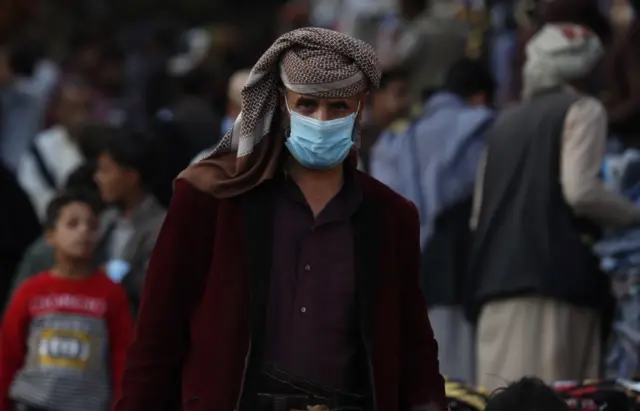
x=177, y=271
x=422, y=384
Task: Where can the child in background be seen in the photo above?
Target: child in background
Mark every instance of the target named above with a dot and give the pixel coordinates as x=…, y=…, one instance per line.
x=66, y=331
x=126, y=173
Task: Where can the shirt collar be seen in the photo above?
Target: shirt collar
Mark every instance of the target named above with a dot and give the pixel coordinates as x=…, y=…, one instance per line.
x=443, y=99
x=348, y=198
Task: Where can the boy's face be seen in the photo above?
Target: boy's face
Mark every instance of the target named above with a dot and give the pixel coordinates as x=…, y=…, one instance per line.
x=75, y=232
x=115, y=182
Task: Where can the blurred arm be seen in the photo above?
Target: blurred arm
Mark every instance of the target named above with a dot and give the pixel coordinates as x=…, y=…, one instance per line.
x=584, y=142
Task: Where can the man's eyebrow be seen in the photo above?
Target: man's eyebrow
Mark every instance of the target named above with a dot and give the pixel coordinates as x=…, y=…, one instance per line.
x=306, y=100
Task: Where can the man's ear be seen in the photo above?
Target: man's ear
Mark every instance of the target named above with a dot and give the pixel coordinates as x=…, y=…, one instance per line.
x=283, y=100
x=365, y=100
x=364, y=103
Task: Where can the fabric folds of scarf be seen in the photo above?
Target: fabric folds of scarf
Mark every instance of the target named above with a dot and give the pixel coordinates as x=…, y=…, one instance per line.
x=310, y=61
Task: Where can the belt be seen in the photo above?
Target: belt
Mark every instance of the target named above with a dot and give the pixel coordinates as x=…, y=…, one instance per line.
x=295, y=402
x=284, y=392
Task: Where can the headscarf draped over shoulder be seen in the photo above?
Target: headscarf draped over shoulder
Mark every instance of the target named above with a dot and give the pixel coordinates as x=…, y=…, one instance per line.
x=311, y=61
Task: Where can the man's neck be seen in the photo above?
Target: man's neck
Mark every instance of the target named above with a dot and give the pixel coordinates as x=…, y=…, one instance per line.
x=317, y=186
x=131, y=204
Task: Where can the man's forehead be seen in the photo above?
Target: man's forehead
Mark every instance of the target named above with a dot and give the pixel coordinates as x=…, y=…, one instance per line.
x=293, y=96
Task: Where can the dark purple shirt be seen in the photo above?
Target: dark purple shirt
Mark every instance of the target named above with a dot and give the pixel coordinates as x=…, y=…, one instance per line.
x=311, y=314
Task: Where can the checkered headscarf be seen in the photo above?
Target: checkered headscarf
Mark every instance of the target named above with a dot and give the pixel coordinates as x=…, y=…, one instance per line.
x=311, y=61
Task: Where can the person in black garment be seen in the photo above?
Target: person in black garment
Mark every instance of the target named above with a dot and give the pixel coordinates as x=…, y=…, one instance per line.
x=19, y=227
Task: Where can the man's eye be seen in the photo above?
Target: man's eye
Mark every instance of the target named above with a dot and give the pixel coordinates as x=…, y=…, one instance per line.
x=339, y=106
x=306, y=104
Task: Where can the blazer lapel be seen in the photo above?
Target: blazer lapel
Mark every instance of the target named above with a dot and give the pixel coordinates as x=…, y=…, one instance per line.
x=367, y=245
x=258, y=217
x=257, y=207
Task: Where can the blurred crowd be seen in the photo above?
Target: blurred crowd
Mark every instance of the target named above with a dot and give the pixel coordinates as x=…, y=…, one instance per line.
x=104, y=103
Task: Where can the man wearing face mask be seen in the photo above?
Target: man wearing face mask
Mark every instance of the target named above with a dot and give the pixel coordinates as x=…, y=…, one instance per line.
x=284, y=278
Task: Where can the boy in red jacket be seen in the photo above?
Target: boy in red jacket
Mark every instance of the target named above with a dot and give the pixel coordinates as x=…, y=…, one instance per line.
x=66, y=331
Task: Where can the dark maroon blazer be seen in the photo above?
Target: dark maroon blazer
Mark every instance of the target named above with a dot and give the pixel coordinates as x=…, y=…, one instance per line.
x=202, y=314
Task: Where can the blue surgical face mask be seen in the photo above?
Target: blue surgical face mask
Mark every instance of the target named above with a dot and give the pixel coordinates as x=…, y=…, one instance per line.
x=319, y=144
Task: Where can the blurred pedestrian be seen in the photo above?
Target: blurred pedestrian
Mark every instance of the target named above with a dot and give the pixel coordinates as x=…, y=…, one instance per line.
x=126, y=168
x=191, y=109
x=66, y=331
x=535, y=285
x=192, y=113
x=39, y=256
x=234, y=106
x=434, y=165
x=587, y=13
x=20, y=227
x=113, y=104
x=234, y=99
x=388, y=103
x=125, y=174
x=22, y=104
x=83, y=57
x=56, y=152
x=431, y=40
x=623, y=102
x=329, y=304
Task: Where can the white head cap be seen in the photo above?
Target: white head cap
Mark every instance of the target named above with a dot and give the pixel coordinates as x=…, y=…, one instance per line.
x=559, y=53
